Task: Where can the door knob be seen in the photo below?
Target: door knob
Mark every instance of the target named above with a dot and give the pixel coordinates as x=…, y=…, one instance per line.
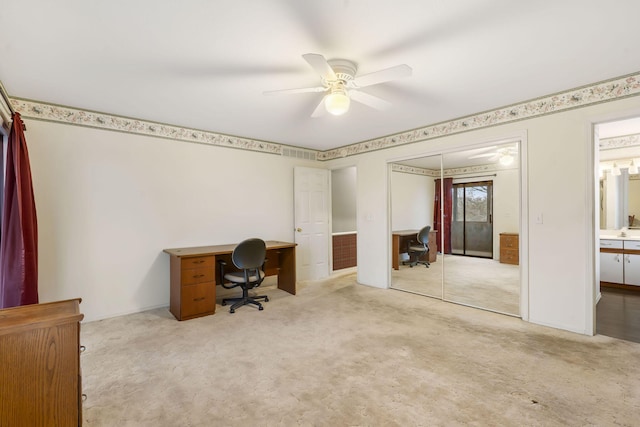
x=298, y=229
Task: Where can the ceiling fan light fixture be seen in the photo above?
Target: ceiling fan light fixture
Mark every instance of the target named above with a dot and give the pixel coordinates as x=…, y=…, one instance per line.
x=337, y=102
x=506, y=159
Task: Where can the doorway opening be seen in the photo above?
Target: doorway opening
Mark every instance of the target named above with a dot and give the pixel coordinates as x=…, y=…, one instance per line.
x=344, y=235
x=617, y=258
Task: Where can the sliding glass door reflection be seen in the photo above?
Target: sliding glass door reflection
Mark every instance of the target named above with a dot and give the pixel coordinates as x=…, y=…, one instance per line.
x=485, y=202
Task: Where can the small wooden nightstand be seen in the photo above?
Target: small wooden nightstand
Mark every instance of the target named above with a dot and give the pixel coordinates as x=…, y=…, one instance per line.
x=509, y=248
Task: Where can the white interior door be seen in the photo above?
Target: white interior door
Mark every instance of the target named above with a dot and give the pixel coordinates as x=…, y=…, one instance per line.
x=311, y=216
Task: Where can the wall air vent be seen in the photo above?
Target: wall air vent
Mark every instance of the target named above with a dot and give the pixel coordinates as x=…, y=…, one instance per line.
x=298, y=153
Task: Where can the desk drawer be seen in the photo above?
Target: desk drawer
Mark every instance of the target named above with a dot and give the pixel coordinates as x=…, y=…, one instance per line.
x=196, y=275
x=197, y=262
x=198, y=299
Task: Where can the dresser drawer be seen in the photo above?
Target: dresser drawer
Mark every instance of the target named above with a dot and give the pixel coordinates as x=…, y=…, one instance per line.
x=196, y=275
x=509, y=241
x=509, y=256
x=199, y=299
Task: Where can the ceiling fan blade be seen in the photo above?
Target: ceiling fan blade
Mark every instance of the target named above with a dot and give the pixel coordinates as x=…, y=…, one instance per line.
x=369, y=100
x=381, y=76
x=320, y=64
x=290, y=91
x=320, y=110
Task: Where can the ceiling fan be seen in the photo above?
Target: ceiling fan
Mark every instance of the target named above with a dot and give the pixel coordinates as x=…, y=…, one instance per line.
x=338, y=78
x=505, y=155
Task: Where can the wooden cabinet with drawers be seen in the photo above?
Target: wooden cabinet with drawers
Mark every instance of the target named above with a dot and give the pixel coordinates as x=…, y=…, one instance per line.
x=509, y=248
x=40, y=380
x=193, y=286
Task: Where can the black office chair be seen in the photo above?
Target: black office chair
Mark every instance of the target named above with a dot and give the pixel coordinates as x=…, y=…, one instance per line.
x=249, y=257
x=418, y=249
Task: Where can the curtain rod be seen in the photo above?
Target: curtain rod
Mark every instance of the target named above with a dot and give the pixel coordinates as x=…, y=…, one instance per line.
x=7, y=101
x=5, y=95
x=471, y=176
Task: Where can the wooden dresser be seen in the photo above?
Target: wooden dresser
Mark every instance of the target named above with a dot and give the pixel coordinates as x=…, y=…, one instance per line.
x=509, y=248
x=40, y=365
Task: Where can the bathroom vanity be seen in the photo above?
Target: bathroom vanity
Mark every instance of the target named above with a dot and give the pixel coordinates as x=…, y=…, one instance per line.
x=620, y=262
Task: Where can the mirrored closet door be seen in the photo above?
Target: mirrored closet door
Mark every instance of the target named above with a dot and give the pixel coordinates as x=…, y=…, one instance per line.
x=472, y=206
x=415, y=185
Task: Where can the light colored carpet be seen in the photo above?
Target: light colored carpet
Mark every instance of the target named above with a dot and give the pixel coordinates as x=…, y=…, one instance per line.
x=343, y=354
x=479, y=282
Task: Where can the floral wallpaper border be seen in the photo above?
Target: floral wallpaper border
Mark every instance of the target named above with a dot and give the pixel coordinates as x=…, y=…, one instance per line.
x=395, y=167
x=609, y=90
x=57, y=113
x=620, y=142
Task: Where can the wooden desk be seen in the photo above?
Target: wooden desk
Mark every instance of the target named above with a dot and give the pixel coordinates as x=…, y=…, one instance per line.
x=400, y=240
x=194, y=272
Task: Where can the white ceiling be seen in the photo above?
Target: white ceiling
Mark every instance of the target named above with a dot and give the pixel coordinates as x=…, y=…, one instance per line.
x=204, y=64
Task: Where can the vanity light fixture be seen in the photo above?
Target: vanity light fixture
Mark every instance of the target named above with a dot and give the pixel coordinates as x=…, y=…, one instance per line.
x=616, y=170
x=633, y=168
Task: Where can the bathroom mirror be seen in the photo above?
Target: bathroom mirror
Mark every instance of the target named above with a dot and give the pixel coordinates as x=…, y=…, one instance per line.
x=619, y=155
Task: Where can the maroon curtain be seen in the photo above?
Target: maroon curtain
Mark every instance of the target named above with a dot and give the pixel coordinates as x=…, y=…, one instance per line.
x=19, y=245
x=446, y=204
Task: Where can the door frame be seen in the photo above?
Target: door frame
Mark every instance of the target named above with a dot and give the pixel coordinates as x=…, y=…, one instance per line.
x=592, y=182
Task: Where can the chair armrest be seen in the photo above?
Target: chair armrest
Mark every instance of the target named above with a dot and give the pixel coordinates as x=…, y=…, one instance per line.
x=222, y=264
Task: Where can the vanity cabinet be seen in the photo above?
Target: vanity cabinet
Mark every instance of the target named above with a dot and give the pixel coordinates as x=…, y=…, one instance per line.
x=620, y=262
x=632, y=262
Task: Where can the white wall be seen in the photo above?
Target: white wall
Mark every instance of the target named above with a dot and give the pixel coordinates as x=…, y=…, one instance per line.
x=559, y=253
x=108, y=203
x=412, y=198
x=506, y=205
x=343, y=200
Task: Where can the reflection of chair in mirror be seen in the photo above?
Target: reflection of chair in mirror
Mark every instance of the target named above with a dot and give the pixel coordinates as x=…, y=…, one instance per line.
x=249, y=257
x=419, y=249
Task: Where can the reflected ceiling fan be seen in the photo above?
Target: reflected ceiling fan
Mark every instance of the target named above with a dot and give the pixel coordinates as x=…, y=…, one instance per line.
x=505, y=155
x=338, y=78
